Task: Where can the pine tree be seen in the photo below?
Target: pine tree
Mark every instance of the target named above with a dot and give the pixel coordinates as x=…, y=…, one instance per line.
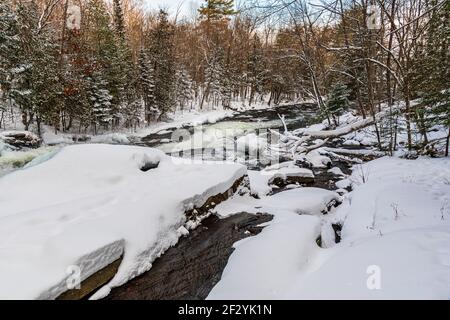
x=100, y=100
x=183, y=88
x=147, y=84
x=433, y=72
x=119, y=22
x=217, y=9
x=256, y=69
x=9, y=53
x=337, y=102
x=162, y=55
x=38, y=92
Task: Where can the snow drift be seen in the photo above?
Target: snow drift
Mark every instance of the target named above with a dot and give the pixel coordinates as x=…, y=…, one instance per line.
x=88, y=205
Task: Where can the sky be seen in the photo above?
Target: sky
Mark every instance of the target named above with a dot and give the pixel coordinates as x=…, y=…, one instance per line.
x=187, y=6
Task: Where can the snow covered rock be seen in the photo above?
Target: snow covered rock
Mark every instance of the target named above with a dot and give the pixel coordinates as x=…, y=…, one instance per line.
x=285, y=176
x=88, y=197
x=310, y=201
x=20, y=139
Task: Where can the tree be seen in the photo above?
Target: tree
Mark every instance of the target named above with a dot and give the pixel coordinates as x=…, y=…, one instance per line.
x=38, y=91
x=9, y=55
x=337, y=102
x=100, y=100
x=147, y=84
x=431, y=77
x=217, y=9
x=162, y=56
x=183, y=88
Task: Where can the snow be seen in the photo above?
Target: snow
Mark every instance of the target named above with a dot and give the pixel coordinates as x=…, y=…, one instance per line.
x=259, y=183
x=395, y=239
x=315, y=158
x=336, y=171
x=111, y=138
x=87, y=204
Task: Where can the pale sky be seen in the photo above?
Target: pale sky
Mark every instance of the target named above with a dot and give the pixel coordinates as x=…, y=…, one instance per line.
x=187, y=6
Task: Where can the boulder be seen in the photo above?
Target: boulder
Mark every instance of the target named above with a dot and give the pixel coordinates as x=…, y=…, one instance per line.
x=20, y=139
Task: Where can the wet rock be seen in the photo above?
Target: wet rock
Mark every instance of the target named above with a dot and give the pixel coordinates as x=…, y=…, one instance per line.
x=194, y=266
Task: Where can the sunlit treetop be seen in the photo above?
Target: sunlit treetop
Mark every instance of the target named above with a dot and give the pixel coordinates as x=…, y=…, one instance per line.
x=217, y=9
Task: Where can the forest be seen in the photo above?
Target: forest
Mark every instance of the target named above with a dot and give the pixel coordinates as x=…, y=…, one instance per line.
x=94, y=65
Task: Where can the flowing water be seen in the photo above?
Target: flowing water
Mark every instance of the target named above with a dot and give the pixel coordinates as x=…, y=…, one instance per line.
x=242, y=138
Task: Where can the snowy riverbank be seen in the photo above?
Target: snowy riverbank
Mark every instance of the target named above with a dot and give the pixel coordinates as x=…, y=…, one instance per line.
x=88, y=205
x=395, y=239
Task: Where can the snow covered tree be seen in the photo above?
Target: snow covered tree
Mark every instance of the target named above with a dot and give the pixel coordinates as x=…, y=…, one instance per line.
x=119, y=22
x=9, y=54
x=100, y=101
x=147, y=84
x=256, y=69
x=183, y=88
x=432, y=73
x=38, y=90
x=162, y=55
x=214, y=73
x=337, y=102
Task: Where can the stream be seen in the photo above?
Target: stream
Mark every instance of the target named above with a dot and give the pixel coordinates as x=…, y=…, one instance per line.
x=190, y=269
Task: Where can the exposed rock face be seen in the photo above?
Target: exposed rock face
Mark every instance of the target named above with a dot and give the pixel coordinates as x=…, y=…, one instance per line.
x=214, y=251
x=20, y=139
x=192, y=268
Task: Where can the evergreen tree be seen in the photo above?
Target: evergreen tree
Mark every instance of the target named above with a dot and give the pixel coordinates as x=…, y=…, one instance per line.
x=38, y=91
x=100, y=100
x=256, y=69
x=9, y=53
x=147, y=84
x=432, y=73
x=183, y=88
x=217, y=9
x=162, y=55
x=119, y=22
x=337, y=102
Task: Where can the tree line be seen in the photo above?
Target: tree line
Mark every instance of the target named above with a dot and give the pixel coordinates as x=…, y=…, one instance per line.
x=126, y=67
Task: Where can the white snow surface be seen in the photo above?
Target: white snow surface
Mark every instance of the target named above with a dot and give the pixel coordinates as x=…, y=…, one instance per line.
x=395, y=240
x=86, y=205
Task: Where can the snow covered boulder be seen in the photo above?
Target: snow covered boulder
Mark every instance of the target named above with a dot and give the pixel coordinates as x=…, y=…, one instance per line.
x=20, y=139
x=88, y=205
x=310, y=201
x=286, y=173
x=285, y=176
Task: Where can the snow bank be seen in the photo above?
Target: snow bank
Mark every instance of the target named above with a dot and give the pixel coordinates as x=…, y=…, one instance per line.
x=395, y=239
x=80, y=205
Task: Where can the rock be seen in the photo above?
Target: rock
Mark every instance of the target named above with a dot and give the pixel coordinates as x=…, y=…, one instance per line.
x=295, y=175
x=193, y=267
x=198, y=218
x=20, y=139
